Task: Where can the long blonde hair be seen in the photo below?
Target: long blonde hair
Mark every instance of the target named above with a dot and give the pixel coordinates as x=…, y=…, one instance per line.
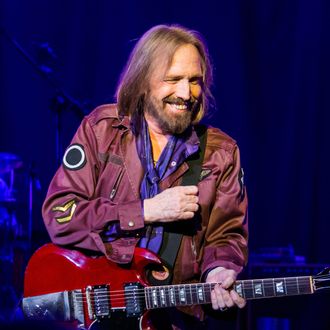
x=156, y=45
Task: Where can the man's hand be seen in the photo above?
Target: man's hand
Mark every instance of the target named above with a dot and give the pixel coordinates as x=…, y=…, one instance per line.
x=223, y=296
x=177, y=203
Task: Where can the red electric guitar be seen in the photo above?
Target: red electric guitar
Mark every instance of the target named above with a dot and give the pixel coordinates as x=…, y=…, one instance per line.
x=67, y=286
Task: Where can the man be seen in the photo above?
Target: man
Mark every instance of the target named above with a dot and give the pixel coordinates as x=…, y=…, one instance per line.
x=120, y=182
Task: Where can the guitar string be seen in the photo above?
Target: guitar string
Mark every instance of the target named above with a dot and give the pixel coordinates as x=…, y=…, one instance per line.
x=165, y=302
x=246, y=284
x=138, y=294
x=193, y=287
x=266, y=283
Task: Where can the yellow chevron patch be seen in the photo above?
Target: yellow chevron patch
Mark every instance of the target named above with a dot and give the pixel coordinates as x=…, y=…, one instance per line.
x=71, y=204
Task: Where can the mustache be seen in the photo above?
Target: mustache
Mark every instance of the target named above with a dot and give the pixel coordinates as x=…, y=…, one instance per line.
x=178, y=100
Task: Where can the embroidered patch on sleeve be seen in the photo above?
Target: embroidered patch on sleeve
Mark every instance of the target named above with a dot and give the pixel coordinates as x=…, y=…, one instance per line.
x=74, y=157
x=67, y=210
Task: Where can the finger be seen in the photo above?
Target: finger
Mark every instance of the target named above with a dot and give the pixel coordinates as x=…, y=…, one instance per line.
x=237, y=299
x=191, y=207
x=189, y=190
x=216, y=298
x=221, y=296
x=187, y=215
x=191, y=199
x=227, y=299
x=188, y=199
x=228, y=281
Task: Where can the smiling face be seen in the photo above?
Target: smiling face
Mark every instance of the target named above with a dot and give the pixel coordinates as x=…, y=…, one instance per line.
x=175, y=95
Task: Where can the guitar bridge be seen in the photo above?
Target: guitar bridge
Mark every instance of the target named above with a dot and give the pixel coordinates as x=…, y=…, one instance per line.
x=134, y=299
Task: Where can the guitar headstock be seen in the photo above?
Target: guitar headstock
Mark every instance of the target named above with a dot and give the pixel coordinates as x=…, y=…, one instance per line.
x=322, y=279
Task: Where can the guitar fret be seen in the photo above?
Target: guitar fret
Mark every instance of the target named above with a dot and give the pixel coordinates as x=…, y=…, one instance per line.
x=191, y=296
x=238, y=287
x=252, y=288
x=162, y=296
x=244, y=292
x=154, y=299
x=207, y=291
x=258, y=289
x=263, y=287
x=297, y=283
x=304, y=285
x=279, y=286
x=285, y=286
x=159, y=297
x=182, y=295
x=172, y=300
x=292, y=287
x=274, y=290
x=269, y=287
x=167, y=295
x=198, y=298
x=248, y=289
x=188, y=294
x=200, y=295
x=176, y=291
x=193, y=291
x=146, y=294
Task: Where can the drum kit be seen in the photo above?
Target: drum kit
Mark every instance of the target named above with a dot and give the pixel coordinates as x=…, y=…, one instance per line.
x=11, y=237
x=9, y=226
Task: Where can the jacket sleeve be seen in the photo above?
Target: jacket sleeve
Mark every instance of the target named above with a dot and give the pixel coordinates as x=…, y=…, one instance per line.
x=227, y=231
x=74, y=216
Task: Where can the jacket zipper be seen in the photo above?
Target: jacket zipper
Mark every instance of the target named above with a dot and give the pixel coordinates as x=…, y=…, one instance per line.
x=193, y=247
x=116, y=185
x=194, y=251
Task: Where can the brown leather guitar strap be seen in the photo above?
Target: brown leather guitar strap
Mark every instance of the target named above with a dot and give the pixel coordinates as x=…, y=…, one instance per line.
x=172, y=238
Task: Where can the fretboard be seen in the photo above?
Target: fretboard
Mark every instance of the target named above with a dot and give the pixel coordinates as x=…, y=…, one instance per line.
x=200, y=293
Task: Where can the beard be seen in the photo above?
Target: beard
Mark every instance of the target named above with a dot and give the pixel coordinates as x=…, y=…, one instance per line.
x=169, y=122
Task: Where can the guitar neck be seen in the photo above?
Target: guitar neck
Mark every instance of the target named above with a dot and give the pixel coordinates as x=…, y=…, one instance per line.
x=274, y=287
x=200, y=293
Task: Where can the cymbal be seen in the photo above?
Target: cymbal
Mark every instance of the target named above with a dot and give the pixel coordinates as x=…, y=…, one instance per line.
x=9, y=162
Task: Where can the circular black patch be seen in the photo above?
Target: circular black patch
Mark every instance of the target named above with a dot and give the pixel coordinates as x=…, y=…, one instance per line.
x=74, y=157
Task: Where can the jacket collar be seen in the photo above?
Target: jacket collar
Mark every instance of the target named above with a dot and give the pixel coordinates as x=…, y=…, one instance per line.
x=132, y=161
x=122, y=121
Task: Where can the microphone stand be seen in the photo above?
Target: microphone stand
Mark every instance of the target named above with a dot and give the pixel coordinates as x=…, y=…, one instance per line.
x=61, y=102
x=34, y=183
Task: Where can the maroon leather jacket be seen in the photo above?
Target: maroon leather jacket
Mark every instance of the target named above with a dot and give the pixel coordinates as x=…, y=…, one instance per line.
x=103, y=187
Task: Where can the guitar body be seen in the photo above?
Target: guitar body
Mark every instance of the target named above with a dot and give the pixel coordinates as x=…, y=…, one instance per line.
x=94, y=293
x=53, y=269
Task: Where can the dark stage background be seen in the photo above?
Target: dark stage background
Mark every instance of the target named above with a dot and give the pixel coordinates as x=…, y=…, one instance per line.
x=272, y=70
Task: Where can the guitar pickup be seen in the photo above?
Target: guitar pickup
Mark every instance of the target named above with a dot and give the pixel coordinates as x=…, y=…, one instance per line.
x=134, y=299
x=98, y=301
